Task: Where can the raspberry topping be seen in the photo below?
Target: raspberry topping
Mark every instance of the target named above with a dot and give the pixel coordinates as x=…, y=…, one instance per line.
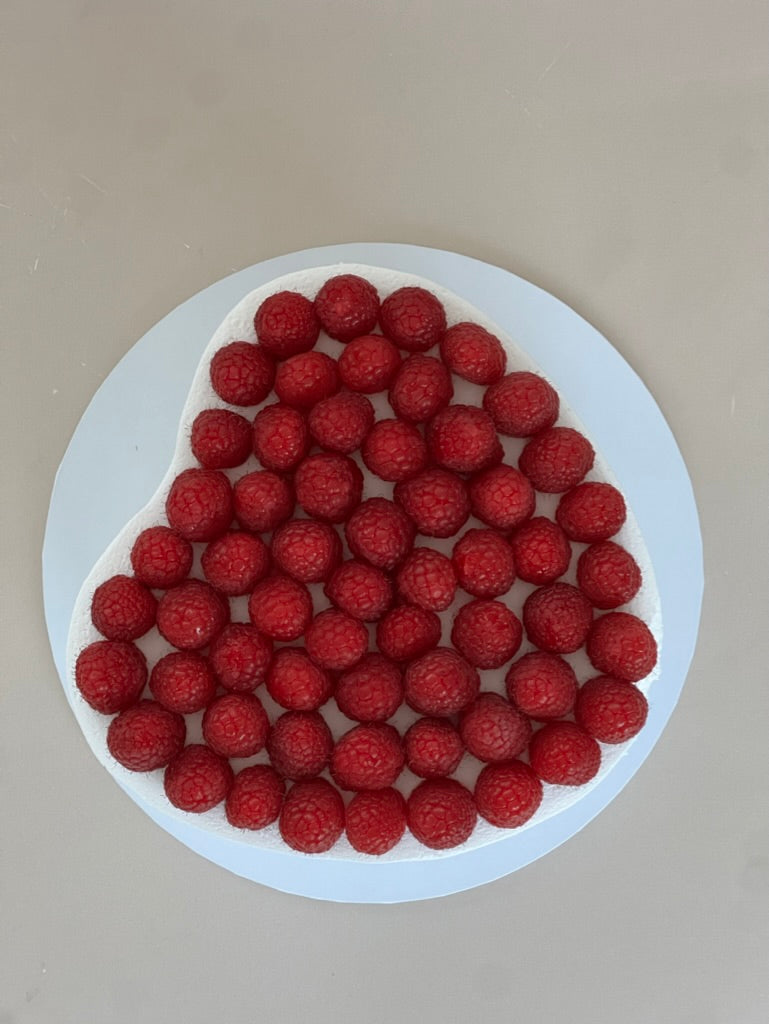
x=434, y=748
x=255, y=798
x=486, y=632
x=564, y=754
x=436, y=501
x=360, y=590
x=183, y=681
x=441, y=813
x=406, y=632
x=220, y=439
x=306, y=550
x=305, y=379
x=242, y=373
x=521, y=404
x=413, y=318
x=371, y=691
x=493, y=730
x=375, y=821
x=236, y=725
x=557, y=618
x=122, y=608
x=110, y=675
x=300, y=744
x=197, y=779
x=379, y=533
x=235, y=562
x=369, y=756
x=608, y=575
x=280, y=437
x=369, y=364
x=542, y=685
x=473, y=353
x=347, y=307
x=610, y=710
x=427, y=579
x=280, y=608
x=191, y=615
x=328, y=486
x=335, y=640
x=286, y=324
x=502, y=497
x=161, y=558
x=440, y=683
x=312, y=816
x=146, y=736
x=542, y=551
x=422, y=387
x=199, y=504
x=507, y=794
x=240, y=656
x=591, y=512
x=340, y=423
x=463, y=438
x=556, y=459
x=296, y=683
x=394, y=450
x=262, y=501
x=483, y=561
x=622, y=645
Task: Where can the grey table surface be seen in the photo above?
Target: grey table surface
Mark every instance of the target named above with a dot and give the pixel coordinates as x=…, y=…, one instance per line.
x=614, y=153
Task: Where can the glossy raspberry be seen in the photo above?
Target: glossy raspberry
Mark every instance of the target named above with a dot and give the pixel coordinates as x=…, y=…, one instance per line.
x=368, y=364
x=407, y=632
x=507, y=794
x=328, y=486
x=433, y=747
x=375, y=821
x=493, y=730
x=236, y=725
x=197, y=779
x=199, y=504
x=110, y=675
x=541, y=550
x=486, y=633
x=521, y=404
x=340, y=423
x=235, y=562
x=394, y=450
x=557, y=618
x=306, y=550
x=312, y=816
x=286, y=324
x=369, y=756
x=379, y=533
x=220, y=439
x=161, y=558
x=441, y=813
x=183, y=681
x=608, y=575
x=591, y=512
x=347, y=307
x=413, y=318
x=262, y=501
x=502, y=497
x=242, y=373
x=297, y=683
x=122, y=608
x=563, y=754
x=622, y=645
x=145, y=736
x=335, y=640
x=610, y=710
x=436, y=501
x=473, y=353
x=371, y=691
x=422, y=387
x=361, y=590
x=440, y=683
x=280, y=437
x=556, y=459
x=240, y=657
x=427, y=579
x=306, y=379
x=280, y=608
x=462, y=438
x=300, y=744
x=542, y=685
x=191, y=615
x=484, y=564
x=255, y=798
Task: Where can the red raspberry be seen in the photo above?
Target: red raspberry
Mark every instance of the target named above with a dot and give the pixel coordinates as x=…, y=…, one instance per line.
x=262, y=501
x=369, y=364
x=407, y=632
x=427, y=579
x=502, y=497
x=286, y=324
x=336, y=640
x=280, y=437
x=610, y=710
x=146, y=736
x=255, y=798
x=183, y=681
x=394, y=450
x=240, y=657
x=507, y=794
x=360, y=590
x=564, y=754
x=413, y=318
x=347, y=307
x=436, y=501
x=242, y=373
x=197, y=779
x=328, y=486
x=541, y=550
x=557, y=618
x=306, y=550
x=236, y=725
x=312, y=816
x=622, y=645
x=379, y=533
x=296, y=683
x=486, y=632
x=608, y=575
x=542, y=685
x=220, y=439
x=521, y=404
x=375, y=821
x=441, y=813
x=304, y=380
x=199, y=504
x=161, y=558
x=341, y=422
x=421, y=388
x=110, y=675
x=369, y=756
x=473, y=353
x=493, y=730
x=591, y=512
x=281, y=608
x=122, y=608
x=463, y=438
x=235, y=562
x=434, y=748
x=440, y=683
x=371, y=691
x=300, y=744
x=191, y=615
x=556, y=459
x=483, y=561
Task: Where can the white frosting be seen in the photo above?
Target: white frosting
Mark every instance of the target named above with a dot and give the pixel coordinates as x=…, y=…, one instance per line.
x=239, y=325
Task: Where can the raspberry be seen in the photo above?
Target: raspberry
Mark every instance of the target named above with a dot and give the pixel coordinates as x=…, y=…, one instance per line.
x=122, y=608
x=591, y=512
x=542, y=685
x=199, y=504
x=183, y=681
x=622, y=645
x=236, y=725
x=312, y=816
x=608, y=575
x=281, y=608
x=235, y=562
x=375, y=821
x=507, y=794
x=440, y=683
x=262, y=501
x=286, y=324
x=369, y=756
x=306, y=550
x=394, y=450
x=280, y=437
x=610, y=710
x=441, y=813
x=242, y=373
x=369, y=364
x=220, y=439
x=335, y=640
x=413, y=318
x=486, y=633
x=161, y=558
x=521, y=404
x=564, y=754
x=145, y=737
x=502, y=497
x=379, y=533
x=347, y=307
x=463, y=438
x=304, y=380
x=557, y=618
x=473, y=353
x=255, y=798
x=300, y=744
x=427, y=579
x=328, y=486
x=341, y=422
x=371, y=691
x=541, y=550
x=493, y=730
x=110, y=675
x=556, y=459
x=422, y=387
x=191, y=615
x=296, y=683
x=483, y=561
x=434, y=748
x=407, y=632
x=197, y=779
x=240, y=657
x=436, y=501
x=361, y=590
